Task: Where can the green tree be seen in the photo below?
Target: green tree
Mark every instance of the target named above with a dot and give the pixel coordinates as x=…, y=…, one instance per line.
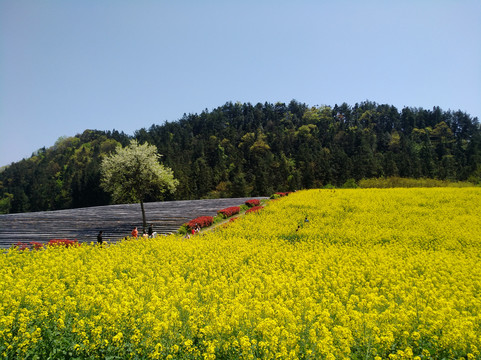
x=5, y=201
x=133, y=173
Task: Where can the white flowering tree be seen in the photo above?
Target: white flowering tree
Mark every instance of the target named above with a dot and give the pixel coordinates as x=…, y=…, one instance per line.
x=134, y=172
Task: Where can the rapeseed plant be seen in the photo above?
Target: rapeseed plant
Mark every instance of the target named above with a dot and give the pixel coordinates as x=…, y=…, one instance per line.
x=372, y=274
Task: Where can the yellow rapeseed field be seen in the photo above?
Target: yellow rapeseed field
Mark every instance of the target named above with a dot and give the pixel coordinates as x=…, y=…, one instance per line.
x=372, y=274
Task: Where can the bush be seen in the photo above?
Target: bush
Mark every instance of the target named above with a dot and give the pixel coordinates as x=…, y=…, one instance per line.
x=253, y=202
x=350, y=184
x=218, y=218
x=36, y=245
x=184, y=229
x=33, y=245
x=202, y=221
x=278, y=195
x=21, y=246
x=62, y=242
x=228, y=212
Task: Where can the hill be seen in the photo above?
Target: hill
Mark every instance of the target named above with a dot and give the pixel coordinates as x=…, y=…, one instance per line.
x=241, y=150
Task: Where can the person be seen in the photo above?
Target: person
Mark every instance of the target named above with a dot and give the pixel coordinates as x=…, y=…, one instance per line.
x=306, y=219
x=151, y=230
x=135, y=232
x=99, y=238
x=144, y=234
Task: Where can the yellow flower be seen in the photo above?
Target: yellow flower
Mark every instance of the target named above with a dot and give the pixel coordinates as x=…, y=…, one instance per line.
x=426, y=353
x=370, y=266
x=118, y=338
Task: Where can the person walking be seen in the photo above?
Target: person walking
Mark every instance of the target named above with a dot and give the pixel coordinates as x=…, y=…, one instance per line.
x=99, y=238
x=151, y=230
x=135, y=232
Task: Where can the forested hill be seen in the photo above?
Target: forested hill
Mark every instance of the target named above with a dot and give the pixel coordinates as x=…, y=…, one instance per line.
x=240, y=150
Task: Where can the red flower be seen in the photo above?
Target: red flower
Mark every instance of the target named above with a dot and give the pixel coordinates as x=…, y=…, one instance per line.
x=21, y=246
x=201, y=221
x=253, y=202
x=228, y=212
x=36, y=245
x=62, y=242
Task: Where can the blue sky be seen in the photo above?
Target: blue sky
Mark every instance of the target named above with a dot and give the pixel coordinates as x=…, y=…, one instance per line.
x=67, y=66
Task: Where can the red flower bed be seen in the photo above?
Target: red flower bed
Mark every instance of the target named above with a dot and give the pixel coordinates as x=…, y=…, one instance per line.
x=62, y=242
x=202, y=221
x=252, y=203
x=33, y=245
x=21, y=246
x=283, y=193
x=36, y=245
x=228, y=212
x=254, y=209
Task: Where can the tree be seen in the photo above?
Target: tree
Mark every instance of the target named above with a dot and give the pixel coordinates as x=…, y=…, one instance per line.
x=133, y=174
x=5, y=201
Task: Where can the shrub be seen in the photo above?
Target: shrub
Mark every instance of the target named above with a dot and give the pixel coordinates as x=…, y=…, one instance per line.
x=21, y=246
x=202, y=221
x=36, y=245
x=278, y=195
x=183, y=229
x=217, y=219
x=230, y=211
x=350, y=184
x=33, y=245
x=62, y=242
x=253, y=202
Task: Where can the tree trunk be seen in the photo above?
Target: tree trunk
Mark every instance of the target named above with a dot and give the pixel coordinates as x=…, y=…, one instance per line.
x=144, y=221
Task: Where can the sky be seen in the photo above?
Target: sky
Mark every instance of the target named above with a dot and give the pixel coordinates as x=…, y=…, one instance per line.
x=67, y=66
